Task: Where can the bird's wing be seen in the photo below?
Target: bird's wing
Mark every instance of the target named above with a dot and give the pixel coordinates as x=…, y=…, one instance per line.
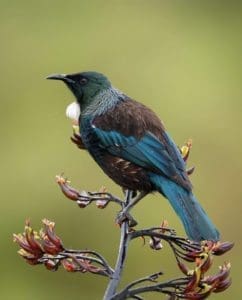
x=140, y=142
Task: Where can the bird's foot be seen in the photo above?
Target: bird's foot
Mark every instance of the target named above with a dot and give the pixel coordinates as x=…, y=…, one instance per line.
x=125, y=216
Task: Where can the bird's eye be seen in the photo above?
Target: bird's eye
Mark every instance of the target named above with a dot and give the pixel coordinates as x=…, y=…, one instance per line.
x=83, y=81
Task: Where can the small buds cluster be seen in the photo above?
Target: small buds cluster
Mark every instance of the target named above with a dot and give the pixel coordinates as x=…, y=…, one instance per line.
x=199, y=285
x=33, y=244
x=83, y=198
x=51, y=243
x=196, y=284
x=45, y=247
x=196, y=251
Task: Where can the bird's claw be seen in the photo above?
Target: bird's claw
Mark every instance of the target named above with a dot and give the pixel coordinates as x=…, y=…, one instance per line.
x=126, y=216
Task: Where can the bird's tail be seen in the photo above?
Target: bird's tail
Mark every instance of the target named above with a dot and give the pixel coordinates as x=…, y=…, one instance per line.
x=197, y=224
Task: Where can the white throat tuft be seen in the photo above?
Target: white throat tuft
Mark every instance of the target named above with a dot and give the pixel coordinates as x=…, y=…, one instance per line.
x=73, y=111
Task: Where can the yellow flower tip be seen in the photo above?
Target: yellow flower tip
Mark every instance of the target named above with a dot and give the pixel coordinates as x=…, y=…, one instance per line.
x=36, y=235
x=18, y=237
x=61, y=180
x=15, y=237
x=184, y=150
x=75, y=129
x=48, y=223
x=28, y=229
x=22, y=252
x=204, y=256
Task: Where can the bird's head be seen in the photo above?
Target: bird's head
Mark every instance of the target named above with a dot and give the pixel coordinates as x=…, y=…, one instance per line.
x=85, y=85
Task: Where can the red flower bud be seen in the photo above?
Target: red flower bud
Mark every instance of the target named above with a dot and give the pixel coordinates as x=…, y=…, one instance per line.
x=221, y=248
x=32, y=239
x=68, y=191
x=222, y=286
x=183, y=268
x=51, y=236
x=69, y=265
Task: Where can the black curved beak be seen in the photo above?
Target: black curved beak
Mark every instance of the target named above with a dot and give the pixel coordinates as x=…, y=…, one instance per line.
x=62, y=77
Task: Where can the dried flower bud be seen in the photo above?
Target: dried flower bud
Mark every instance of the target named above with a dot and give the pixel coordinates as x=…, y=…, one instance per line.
x=33, y=240
x=30, y=258
x=82, y=203
x=52, y=237
x=222, y=286
x=101, y=203
x=197, y=295
x=68, y=191
x=51, y=265
x=193, y=282
x=22, y=242
x=191, y=256
x=224, y=271
x=183, y=268
x=29, y=243
x=69, y=265
x=221, y=248
x=155, y=243
x=190, y=171
x=49, y=247
x=85, y=265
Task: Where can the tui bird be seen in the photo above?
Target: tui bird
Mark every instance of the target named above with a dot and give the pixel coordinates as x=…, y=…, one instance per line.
x=131, y=145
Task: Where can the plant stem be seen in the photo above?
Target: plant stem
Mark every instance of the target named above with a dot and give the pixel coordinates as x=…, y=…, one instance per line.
x=123, y=244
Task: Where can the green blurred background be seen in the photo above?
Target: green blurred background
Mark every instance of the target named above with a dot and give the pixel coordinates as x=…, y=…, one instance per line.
x=182, y=58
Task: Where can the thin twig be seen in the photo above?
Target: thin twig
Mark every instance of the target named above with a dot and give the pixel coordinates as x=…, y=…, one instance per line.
x=106, y=196
x=100, y=259
x=124, y=239
x=150, y=278
x=131, y=293
x=169, y=238
x=81, y=255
